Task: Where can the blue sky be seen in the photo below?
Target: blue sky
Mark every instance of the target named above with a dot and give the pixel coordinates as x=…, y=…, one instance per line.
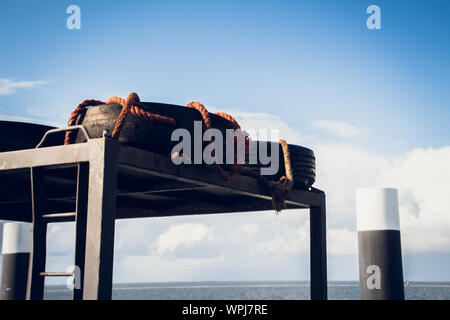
x=311, y=65
x=303, y=60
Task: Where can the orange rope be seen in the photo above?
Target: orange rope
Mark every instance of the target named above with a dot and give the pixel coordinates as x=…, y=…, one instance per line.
x=228, y=117
x=127, y=107
x=201, y=108
x=236, y=126
x=236, y=167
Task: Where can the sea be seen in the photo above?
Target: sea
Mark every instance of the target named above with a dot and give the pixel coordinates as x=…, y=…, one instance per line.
x=263, y=290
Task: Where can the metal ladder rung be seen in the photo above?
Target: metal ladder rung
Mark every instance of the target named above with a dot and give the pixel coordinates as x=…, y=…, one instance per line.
x=56, y=274
x=64, y=216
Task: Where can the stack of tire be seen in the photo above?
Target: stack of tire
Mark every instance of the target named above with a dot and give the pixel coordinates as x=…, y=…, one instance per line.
x=156, y=137
x=303, y=163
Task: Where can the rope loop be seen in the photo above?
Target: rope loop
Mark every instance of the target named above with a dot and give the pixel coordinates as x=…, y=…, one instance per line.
x=203, y=111
x=79, y=110
x=127, y=104
x=235, y=167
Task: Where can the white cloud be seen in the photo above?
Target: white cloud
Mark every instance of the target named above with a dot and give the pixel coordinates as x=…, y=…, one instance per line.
x=60, y=238
x=342, y=241
x=155, y=268
x=264, y=121
x=341, y=169
x=182, y=235
x=337, y=128
x=423, y=179
x=286, y=239
x=249, y=228
x=294, y=240
x=8, y=86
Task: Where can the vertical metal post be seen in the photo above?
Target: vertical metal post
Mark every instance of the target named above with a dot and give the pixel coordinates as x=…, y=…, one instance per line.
x=80, y=226
x=98, y=266
x=318, y=248
x=380, y=252
x=16, y=246
x=35, y=286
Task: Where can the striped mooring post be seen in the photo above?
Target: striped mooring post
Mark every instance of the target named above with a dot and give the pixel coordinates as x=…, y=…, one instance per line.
x=16, y=248
x=380, y=254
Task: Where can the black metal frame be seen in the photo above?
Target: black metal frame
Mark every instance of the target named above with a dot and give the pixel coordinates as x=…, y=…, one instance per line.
x=102, y=192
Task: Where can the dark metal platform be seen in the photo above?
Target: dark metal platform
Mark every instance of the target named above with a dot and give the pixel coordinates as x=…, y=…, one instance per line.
x=96, y=182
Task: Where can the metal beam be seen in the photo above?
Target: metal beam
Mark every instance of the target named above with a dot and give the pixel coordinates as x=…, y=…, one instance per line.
x=318, y=250
x=159, y=165
x=50, y=156
x=101, y=211
x=35, y=286
x=81, y=226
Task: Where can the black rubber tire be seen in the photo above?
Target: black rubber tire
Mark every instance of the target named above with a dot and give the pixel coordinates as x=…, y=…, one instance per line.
x=20, y=135
x=141, y=133
x=303, y=163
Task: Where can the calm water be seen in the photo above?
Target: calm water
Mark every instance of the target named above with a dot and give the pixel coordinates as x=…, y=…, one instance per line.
x=249, y=290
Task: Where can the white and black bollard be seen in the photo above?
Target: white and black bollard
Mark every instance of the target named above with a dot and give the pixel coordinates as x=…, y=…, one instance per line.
x=16, y=247
x=380, y=254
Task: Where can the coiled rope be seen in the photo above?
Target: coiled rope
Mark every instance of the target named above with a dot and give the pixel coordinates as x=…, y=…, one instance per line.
x=279, y=189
